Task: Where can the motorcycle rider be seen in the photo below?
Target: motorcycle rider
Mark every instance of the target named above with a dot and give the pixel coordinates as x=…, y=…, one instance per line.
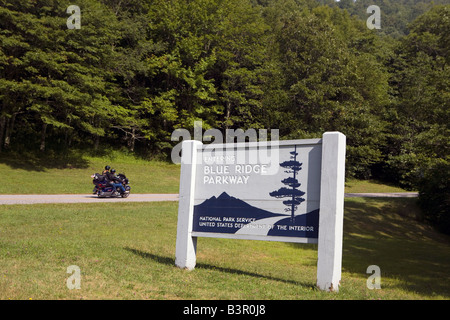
x=115, y=180
x=107, y=168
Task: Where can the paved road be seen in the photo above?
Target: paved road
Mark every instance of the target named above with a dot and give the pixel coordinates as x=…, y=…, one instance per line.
x=384, y=195
x=86, y=198
x=81, y=198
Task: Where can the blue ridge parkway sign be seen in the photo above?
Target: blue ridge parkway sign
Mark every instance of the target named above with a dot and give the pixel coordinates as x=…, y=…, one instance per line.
x=289, y=191
x=247, y=201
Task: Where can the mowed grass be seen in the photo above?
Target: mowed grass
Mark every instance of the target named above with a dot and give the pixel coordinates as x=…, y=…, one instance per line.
x=31, y=175
x=127, y=251
x=37, y=176
x=370, y=186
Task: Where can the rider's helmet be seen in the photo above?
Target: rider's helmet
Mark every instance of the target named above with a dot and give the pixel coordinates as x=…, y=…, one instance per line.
x=113, y=170
x=107, y=167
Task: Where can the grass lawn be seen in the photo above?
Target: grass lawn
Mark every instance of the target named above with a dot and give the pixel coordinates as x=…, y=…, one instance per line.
x=37, y=176
x=41, y=176
x=127, y=251
x=370, y=186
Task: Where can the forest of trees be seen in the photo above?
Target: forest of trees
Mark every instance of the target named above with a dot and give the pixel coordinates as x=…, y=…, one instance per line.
x=396, y=14
x=138, y=69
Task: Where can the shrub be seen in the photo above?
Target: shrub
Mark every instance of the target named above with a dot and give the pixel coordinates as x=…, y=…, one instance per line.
x=434, y=195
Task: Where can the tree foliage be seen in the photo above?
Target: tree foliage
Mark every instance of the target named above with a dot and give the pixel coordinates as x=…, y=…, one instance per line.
x=396, y=15
x=420, y=112
x=434, y=195
x=138, y=69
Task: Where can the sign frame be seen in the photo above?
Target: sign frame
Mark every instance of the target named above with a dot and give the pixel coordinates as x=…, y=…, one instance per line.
x=331, y=207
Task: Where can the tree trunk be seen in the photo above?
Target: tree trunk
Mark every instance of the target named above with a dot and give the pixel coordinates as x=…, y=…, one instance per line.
x=43, y=133
x=133, y=139
x=227, y=117
x=2, y=131
x=9, y=129
x=97, y=142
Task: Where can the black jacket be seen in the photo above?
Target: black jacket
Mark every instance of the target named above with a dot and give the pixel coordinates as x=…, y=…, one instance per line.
x=113, y=178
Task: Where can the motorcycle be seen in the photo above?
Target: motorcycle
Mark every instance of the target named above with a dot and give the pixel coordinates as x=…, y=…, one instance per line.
x=103, y=188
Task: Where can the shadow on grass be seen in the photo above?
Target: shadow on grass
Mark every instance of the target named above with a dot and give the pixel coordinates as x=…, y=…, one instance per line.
x=385, y=232
x=171, y=262
x=33, y=161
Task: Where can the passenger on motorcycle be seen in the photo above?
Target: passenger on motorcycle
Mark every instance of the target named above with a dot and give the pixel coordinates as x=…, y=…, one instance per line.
x=115, y=180
x=101, y=178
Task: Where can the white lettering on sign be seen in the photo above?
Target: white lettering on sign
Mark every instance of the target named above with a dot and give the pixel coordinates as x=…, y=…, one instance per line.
x=225, y=179
x=238, y=174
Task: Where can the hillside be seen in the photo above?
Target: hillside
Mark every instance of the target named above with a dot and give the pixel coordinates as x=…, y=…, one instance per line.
x=132, y=75
x=396, y=15
x=127, y=252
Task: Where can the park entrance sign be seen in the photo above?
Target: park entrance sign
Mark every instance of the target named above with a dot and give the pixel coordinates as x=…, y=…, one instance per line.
x=291, y=191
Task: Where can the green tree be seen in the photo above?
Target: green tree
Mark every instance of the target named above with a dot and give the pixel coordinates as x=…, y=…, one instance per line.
x=420, y=112
x=334, y=79
x=395, y=14
x=240, y=69
x=54, y=81
x=434, y=195
x=210, y=67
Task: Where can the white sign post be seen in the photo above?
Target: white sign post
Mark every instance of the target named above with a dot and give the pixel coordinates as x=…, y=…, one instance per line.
x=331, y=217
x=291, y=191
x=186, y=246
